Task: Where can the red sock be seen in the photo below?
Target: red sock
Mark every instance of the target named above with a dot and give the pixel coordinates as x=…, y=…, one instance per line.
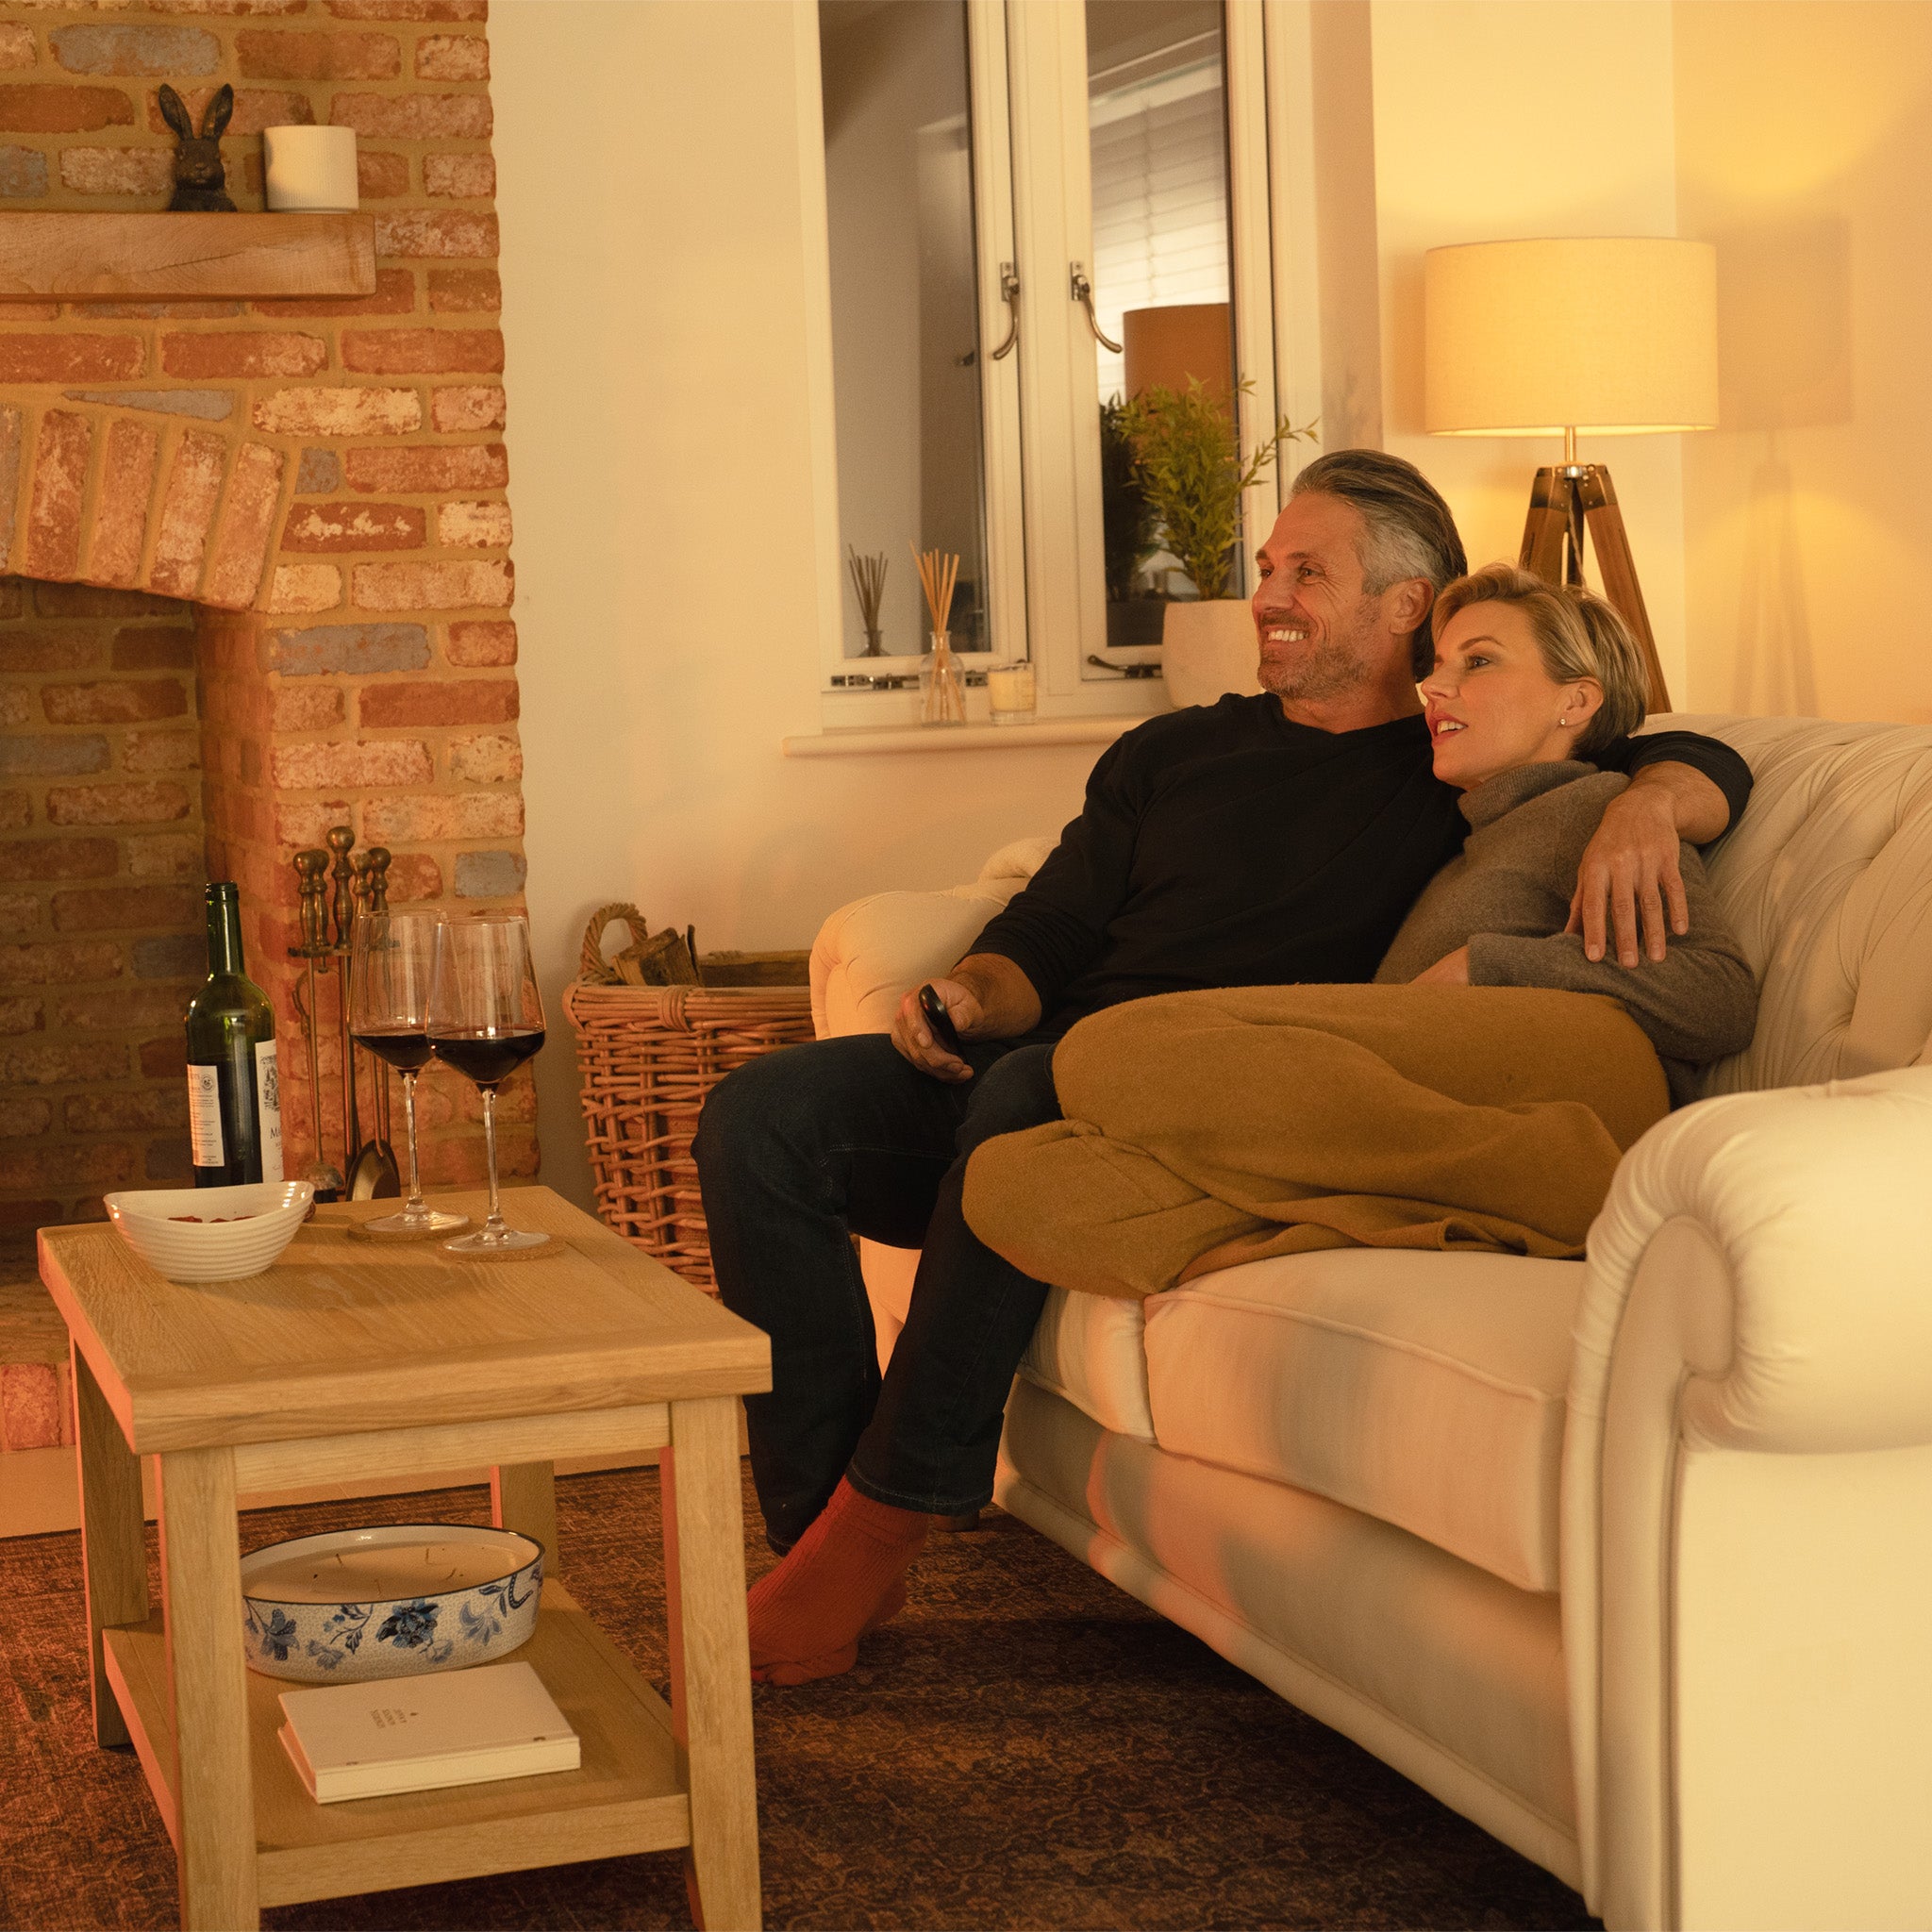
x=846, y=1575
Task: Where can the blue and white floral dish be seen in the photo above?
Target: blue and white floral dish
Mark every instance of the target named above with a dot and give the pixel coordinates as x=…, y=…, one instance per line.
x=393, y=1601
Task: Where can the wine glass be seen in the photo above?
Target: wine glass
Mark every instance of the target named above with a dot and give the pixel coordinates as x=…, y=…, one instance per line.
x=391, y=957
x=486, y=1019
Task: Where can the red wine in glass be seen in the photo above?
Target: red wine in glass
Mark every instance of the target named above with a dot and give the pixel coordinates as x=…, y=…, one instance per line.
x=486, y=1019
x=488, y=1058
x=392, y=961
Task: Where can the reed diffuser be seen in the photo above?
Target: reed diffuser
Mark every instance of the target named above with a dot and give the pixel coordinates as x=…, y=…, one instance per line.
x=943, y=688
x=869, y=581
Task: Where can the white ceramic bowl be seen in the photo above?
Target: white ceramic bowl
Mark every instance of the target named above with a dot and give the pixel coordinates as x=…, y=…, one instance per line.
x=239, y=1230
x=393, y=1601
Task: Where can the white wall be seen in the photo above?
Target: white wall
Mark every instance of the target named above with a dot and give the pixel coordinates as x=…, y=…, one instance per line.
x=655, y=314
x=1503, y=120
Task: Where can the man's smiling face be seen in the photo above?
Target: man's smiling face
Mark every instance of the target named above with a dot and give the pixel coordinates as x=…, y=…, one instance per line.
x=1321, y=633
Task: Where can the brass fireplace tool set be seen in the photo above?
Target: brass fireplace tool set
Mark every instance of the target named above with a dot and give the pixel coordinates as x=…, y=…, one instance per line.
x=335, y=885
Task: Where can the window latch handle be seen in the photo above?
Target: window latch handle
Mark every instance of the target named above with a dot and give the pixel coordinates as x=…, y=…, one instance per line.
x=1010, y=294
x=1081, y=291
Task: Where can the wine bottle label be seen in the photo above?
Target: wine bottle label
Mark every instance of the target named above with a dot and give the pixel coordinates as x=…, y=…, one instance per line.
x=204, y=1117
x=268, y=1109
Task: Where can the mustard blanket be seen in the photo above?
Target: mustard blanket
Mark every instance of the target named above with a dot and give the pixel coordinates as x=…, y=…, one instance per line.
x=1203, y=1129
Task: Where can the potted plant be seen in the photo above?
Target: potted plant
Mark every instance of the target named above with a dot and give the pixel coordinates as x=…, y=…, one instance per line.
x=1188, y=458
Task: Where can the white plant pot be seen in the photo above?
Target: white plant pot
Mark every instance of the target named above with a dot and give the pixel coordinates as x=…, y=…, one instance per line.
x=1208, y=648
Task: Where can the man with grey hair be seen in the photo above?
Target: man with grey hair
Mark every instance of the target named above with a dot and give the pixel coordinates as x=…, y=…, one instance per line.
x=1259, y=841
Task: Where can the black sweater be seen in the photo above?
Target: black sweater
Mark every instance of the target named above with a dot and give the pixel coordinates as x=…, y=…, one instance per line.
x=1225, y=845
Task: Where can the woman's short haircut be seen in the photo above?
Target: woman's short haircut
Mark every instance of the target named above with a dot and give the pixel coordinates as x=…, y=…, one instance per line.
x=1408, y=530
x=1577, y=635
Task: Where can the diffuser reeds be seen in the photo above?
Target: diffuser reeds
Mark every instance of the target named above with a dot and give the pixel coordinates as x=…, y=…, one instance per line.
x=944, y=701
x=938, y=573
x=869, y=582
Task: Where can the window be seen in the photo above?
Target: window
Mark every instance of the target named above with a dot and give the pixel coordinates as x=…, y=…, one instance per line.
x=1013, y=188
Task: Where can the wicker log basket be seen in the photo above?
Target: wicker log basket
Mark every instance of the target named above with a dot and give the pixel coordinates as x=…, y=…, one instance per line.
x=650, y=1053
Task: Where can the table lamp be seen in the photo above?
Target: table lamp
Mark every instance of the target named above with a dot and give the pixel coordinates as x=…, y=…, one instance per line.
x=1569, y=337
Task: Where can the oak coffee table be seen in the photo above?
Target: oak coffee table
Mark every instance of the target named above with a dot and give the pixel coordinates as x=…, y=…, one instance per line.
x=350, y=1359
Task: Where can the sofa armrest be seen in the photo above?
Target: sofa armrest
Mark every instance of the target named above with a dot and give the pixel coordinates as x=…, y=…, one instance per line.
x=1747, y=1467
x=868, y=953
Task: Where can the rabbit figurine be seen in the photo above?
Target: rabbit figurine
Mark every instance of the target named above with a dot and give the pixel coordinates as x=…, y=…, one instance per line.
x=200, y=182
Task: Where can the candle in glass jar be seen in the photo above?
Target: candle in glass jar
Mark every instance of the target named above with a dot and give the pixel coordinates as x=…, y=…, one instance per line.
x=310, y=170
x=1010, y=692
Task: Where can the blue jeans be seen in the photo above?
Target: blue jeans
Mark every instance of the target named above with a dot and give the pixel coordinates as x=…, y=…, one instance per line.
x=801, y=1150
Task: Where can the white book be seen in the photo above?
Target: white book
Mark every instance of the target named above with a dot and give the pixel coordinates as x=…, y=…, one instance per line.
x=414, y=1734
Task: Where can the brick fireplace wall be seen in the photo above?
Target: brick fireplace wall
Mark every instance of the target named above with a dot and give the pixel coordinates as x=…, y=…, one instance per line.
x=258, y=576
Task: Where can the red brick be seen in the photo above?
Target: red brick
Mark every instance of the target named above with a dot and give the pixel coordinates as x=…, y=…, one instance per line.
x=381, y=762
x=481, y=642
x=415, y=233
x=355, y=526
x=155, y=311
x=147, y=752
x=431, y=586
x=165, y=1059
x=252, y=352
x=121, y=1110
x=15, y=708
x=93, y=358
x=59, y=963
x=121, y=504
x=451, y=701
x=471, y=406
x=255, y=108
x=23, y=860
x=414, y=879
x=126, y=1006
x=153, y=647
x=416, y=116
x=473, y=526
x=91, y=600
x=53, y=525
x=424, y=471
x=381, y=176
x=34, y=648
x=459, y=177
x=43, y=108
x=394, y=294
x=331, y=411
x=64, y=755
x=490, y=758
x=19, y=1118
x=242, y=535
x=188, y=509
x=16, y=46
x=436, y=821
x=421, y=350
x=305, y=55
x=126, y=908
x=150, y=804
x=49, y=1064
x=465, y=291
x=120, y=702
x=97, y=1164
x=305, y=707
x=303, y=588
x=17, y=1015
x=117, y=170
x=453, y=56
x=32, y=1406
x=409, y=10
x=166, y=855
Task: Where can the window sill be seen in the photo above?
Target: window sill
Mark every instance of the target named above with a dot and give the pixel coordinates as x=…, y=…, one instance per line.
x=869, y=740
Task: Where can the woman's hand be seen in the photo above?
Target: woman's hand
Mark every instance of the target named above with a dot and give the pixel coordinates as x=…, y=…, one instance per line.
x=913, y=1036
x=1451, y=970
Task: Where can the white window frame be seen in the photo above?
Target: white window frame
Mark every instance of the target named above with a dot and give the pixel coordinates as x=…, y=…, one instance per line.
x=1033, y=207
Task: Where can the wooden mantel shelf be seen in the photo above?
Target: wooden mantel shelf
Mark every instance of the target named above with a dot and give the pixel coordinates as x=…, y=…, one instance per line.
x=165, y=256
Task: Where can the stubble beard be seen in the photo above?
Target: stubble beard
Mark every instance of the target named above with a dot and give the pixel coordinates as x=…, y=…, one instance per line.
x=1334, y=668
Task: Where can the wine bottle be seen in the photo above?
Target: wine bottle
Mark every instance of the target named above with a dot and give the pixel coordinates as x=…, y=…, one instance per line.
x=234, y=1096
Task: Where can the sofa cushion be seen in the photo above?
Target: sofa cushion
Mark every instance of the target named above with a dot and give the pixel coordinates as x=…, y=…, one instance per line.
x=1087, y=1350
x=1426, y=1390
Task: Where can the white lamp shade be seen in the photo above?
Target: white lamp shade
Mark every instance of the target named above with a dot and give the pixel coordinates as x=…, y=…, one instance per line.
x=1532, y=337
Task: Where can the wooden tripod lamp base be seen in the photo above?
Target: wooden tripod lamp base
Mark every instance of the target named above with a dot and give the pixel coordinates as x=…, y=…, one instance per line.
x=1565, y=501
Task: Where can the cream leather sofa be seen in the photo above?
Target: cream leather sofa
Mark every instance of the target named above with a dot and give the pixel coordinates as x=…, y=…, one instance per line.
x=1629, y=1560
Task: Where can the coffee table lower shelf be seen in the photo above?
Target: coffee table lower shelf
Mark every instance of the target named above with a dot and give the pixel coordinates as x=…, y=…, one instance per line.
x=626, y=1797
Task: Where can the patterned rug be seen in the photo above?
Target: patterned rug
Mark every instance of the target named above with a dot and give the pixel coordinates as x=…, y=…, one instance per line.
x=1026, y=1746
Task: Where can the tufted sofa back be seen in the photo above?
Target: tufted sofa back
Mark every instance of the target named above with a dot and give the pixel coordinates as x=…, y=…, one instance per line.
x=1828, y=886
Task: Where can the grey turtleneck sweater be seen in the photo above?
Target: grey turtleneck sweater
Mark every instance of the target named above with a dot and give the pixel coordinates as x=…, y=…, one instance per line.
x=1507, y=899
